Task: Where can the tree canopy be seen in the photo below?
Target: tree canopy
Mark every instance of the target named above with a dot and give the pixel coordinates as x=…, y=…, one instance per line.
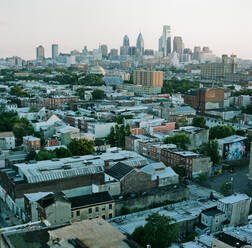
x=19, y=92
x=98, y=94
x=117, y=135
x=210, y=149
x=178, y=86
x=91, y=80
x=157, y=232
x=179, y=139
x=199, y=121
x=79, y=147
x=219, y=132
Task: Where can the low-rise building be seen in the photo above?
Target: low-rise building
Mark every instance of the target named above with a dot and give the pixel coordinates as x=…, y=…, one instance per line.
x=7, y=140
x=31, y=143
x=97, y=205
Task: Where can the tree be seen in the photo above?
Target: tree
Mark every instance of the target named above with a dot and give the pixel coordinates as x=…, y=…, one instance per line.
x=31, y=155
x=17, y=91
x=199, y=121
x=98, y=94
x=91, y=80
x=219, y=132
x=80, y=147
x=44, y=155
x=179, y=139
x=81, y=93
x=226, y=188
x=112, y=137
x=211, y=149
x=62, y=152
x=181, y=122
x=157, y=232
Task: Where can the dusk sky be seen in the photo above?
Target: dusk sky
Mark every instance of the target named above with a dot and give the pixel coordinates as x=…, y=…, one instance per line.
x=223, y=25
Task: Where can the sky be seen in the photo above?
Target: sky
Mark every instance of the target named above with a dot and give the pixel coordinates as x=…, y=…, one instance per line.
x=223, y=25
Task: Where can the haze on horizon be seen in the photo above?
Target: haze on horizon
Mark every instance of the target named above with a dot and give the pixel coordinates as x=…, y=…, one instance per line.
x=223, y=25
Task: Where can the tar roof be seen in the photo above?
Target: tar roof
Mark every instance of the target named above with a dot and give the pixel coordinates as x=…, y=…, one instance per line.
x=212, y=211
x=93, y=199
x=119, y=170
x=230, y=240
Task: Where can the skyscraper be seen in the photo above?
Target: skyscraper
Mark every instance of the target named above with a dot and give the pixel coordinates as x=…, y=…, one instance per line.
x=196, y=53
x=104, y=50
x=178, y=45
x=126, y=41
x=55, y=51
x=140, y=44
x=160, y=44
x=166, y=39
x=40, y=52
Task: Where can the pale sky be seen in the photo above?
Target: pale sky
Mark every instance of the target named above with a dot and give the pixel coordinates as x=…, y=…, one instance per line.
x=223, y=25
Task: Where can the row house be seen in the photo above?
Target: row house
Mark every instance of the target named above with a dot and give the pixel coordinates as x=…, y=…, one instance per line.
x=56, y=101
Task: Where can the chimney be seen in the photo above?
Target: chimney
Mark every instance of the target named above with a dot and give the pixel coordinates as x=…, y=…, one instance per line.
x=157, y=181
x=106, y=164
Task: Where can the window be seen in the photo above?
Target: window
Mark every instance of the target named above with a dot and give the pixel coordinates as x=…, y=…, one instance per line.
x=103, y=208
x=78, y=213
x=72, y=214
x=110, y=206
x=97, y=209
x=90, y=210
x=110, y=216
x=103, y=217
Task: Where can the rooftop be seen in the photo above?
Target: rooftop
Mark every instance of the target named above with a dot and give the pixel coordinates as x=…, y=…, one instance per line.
x=119, y=170
x=231, y=139
x=93, y=199
x=234, y=198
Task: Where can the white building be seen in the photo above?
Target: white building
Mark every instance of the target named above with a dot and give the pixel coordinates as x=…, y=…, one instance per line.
x=7, y=140
x=100, y=129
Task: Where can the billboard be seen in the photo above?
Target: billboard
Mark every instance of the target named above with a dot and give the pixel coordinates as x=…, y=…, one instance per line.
x=235, y=151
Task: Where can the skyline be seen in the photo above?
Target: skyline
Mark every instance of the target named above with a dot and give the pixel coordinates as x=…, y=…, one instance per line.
x=74, y=24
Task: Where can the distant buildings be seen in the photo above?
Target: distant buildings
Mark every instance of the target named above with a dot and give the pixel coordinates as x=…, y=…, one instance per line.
x=166, y=41
x=40, y=53
x=178, y=45
x=104, y=51
x=7, y=140
x=55, y=51
x=140, y=44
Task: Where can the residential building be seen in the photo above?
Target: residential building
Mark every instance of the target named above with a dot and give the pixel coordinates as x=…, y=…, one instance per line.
x=100, y=129
x=148, y=78
x=31, y=143
x=7, y=140
x=54, y=102
x=97, y=205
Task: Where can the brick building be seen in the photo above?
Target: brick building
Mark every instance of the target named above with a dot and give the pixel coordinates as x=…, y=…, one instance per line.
x=205, y=98
x=54, y=102
x=31, y=143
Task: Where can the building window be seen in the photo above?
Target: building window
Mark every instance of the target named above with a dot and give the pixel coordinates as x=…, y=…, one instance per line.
x=90, y=210
x=103, y=208
x=78, y=213
x=103, y=217
x=110, y=216
x=97, y=209
x=110, y=206
x=72, y=214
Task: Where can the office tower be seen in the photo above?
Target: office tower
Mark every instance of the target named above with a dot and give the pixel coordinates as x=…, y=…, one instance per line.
x=205, y=50
x=40, y=52
x=178, y=45
x=188, y=51
x=132, y=51
x=166, y=39
x=149, y=52
x=196, y=53
x=126, y=41
x=55, y=51
x=85, y=50
x=104, y=50
x=148, y=78
x=160, y=44
x=113, y=54
x=140, y=44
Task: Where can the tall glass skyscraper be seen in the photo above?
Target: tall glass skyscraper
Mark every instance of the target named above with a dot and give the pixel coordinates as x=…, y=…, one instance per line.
x=55, y=51
x=140, y=44
x=166, y=40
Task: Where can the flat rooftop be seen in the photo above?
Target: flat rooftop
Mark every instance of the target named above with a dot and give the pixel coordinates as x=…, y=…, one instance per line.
x=182, y=211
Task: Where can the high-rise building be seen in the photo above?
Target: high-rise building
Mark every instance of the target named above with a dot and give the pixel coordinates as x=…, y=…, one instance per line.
x=196, y=53
x=40, y=52
x=160, y=44
x=205, y=50
x=178, y=45
x=140, y=44
x=132, y=51
x=148, y=78
x=104, y=50
x=113, y=54
x=55, y=51
x=166, y=40
x=126, y=41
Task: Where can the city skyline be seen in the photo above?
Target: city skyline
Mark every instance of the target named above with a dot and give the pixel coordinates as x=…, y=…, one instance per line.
x=77, y=24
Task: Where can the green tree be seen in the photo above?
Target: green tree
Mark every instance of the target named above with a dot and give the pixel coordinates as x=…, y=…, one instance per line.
x=80, y=147
x=211, y=149
x=199, y=121
x=226, y=188
x=31, y=155
x=112, y=137
x=62, y=152
x=219, y=132
x=157, y=232
x=98, y=94
x=44, y=155
x=91, y=80
x=179, y=139
x=81, y=93
x=181, y=122
x=17, y=91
